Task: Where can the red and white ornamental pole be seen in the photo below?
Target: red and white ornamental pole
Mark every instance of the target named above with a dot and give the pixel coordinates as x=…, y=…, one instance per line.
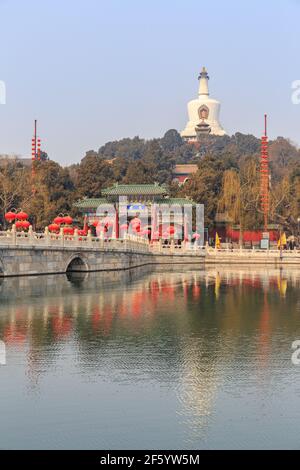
x=39, y=149
x=264, y=176
x=35, y=153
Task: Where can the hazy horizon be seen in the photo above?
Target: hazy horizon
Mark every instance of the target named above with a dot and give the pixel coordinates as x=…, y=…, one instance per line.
x=93, y=72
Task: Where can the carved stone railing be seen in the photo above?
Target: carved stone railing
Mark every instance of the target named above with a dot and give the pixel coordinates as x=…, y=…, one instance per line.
x=254, y=252
x=13, y=238
x=130, y=242
x=171, y=247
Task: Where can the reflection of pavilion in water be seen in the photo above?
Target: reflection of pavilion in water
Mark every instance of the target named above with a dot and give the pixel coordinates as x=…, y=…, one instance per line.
x=133, y=304
x=64, y=302
x=60, y=309
x=92, y=306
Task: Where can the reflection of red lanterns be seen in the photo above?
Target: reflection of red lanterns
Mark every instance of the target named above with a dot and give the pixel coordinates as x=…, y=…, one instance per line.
x=171, y=230
x=14, y=334
x=10, y=216
x=62, y=326
x=196, y=291
x=82, y=233
x=95, y=223
x=196, y=236
x=21, y=215
x=54, y=228
x=124, y=227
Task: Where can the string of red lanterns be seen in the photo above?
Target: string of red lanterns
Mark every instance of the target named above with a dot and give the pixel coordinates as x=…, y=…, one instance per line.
x=63, y=222
x=19, y=217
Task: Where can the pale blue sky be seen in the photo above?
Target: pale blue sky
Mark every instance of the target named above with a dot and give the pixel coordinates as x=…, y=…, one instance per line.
x=92, y=71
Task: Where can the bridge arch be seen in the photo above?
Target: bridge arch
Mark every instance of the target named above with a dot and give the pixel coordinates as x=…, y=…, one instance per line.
x=77, y=263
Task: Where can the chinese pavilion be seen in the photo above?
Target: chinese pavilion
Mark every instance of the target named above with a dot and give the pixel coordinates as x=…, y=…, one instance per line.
x=140, y=199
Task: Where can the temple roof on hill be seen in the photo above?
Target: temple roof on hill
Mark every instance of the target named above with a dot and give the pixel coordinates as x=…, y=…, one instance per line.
x=185, y=169
x=135, y=190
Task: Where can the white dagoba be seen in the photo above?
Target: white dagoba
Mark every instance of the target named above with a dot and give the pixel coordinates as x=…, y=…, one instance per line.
x=203, y=113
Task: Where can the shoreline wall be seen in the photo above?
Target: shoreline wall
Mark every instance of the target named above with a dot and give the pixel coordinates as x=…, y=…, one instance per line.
x=252, y=257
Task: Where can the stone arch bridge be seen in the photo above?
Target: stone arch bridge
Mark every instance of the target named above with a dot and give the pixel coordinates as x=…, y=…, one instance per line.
x=33, y=254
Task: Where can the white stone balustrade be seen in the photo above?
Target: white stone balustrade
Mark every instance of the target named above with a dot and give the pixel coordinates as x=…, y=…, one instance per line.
x=46, y=239
x=130, y=242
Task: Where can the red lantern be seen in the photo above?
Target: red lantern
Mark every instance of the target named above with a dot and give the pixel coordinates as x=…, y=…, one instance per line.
x=171, y=230
x=22, y=224
x=58, y=220
x=135, y=221
x=22, y=216
x=82, y=233
x=68, y=220
x=10, y=217
x=54, y=228
x=95, y=223
x=68, y=231
x=25, y=224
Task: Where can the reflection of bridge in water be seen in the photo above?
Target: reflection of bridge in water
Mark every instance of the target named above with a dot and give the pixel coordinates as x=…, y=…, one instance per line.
x=163, y=326
x=102, y=298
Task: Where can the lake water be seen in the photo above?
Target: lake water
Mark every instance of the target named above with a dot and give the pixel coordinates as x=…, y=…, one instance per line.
x=151, y=359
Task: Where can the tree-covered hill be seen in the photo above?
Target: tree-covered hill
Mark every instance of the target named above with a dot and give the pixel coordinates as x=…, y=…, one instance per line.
x=224, y=163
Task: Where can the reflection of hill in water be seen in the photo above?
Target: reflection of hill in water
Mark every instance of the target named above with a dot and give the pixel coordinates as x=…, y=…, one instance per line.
x=149, y=325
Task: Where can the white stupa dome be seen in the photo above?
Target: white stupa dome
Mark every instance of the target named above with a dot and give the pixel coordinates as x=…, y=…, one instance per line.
x=203, y=113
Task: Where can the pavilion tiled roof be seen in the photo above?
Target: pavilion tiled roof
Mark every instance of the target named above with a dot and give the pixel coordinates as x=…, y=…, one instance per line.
x=185, y=169
x=135, y=190
x=93, y=203
x=87, y=203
